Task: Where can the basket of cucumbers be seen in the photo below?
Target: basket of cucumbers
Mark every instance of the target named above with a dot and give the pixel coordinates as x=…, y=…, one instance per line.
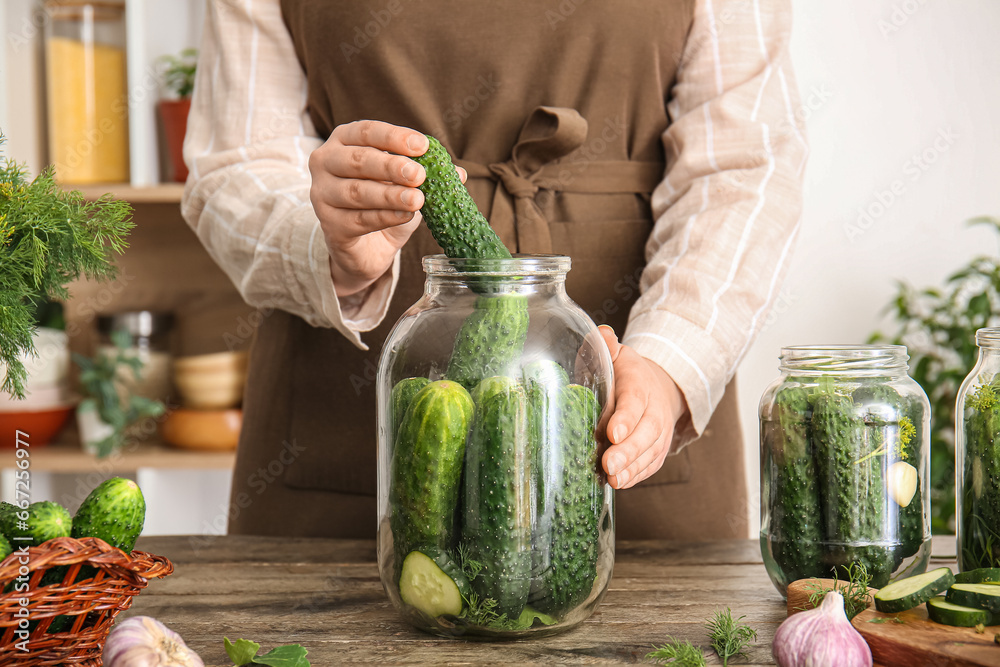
x=844, y=465
x=65, y=578
x=495, y=518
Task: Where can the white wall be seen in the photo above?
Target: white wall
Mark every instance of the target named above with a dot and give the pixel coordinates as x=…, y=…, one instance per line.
x=900, y=78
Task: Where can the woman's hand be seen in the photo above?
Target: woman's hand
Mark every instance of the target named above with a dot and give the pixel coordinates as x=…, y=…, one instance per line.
x=647, y=406
x=364, y=191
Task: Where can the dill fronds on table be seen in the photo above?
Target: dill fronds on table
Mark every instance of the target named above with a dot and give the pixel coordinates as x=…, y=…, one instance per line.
x=48, y=238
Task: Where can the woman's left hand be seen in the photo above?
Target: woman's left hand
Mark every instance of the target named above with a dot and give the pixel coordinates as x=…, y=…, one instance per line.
x=647, y=406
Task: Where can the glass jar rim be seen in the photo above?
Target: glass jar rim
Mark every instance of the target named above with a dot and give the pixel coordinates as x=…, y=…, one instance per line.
x=868, y=358
x=988, y=337
x=518, y=265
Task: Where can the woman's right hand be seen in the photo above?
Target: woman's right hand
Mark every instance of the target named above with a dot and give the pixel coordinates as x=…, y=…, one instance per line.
x=364, y=191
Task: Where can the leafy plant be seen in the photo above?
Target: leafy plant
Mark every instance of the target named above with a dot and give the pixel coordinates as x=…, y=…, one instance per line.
x=678, y=654
x=100, y=379
x=244, y=652
x=854, y=590
x=48, y=238
x=939, y=326
x=728, y=636
x=179, y=71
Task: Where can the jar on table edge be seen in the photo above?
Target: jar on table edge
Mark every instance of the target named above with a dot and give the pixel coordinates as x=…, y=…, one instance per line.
x=87, y=91
x=845, y=465
x=150, y=343
x=494, y=517
x=977, y=458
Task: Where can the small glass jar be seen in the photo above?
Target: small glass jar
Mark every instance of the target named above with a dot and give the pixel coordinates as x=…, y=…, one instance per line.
x=844, y=465
x=150, y=334
x=87, y=91
x=977, y=454
x=495, y=518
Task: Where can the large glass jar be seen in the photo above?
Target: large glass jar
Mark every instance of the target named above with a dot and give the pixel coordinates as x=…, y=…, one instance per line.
x=977, y=456
x=87, y=91
x=844, y=465
x=495, y=518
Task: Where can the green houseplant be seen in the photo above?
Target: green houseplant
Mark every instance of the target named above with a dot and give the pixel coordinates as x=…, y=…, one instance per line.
x=109, y=408
x=48, y=238
x=938, y=326
x=178, y=77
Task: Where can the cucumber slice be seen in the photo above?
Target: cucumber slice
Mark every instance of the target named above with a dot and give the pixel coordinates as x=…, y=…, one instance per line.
x=982, y=596
x=433, y=583
x=941, y=611
x=908, y=593
x=983, y=575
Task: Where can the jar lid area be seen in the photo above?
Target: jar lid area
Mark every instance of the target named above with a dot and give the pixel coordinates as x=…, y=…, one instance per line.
x=141, y=323
x=988, y=337
x=519, y=265
x=844, y=358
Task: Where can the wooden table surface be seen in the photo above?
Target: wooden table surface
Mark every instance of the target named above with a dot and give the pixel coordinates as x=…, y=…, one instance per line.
x=326, y=595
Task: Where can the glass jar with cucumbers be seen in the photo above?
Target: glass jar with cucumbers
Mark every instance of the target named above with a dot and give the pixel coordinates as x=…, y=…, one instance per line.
x=494, y=517
x=844, y=465
x=977, y=457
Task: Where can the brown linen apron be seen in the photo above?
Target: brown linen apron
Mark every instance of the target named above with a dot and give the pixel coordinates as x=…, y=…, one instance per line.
x=556, y=109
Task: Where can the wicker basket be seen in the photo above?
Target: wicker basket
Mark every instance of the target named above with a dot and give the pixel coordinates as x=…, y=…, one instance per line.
x=94, y=602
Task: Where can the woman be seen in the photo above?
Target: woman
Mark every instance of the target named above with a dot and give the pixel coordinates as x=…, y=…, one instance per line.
x=653, y=142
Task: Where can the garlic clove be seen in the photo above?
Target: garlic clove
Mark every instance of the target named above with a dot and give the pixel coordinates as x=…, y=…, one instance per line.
x=142, y=641
x=901, y=479
x=821, y=636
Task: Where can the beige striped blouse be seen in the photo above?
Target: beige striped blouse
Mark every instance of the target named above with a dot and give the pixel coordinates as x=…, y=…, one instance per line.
x=726, y=212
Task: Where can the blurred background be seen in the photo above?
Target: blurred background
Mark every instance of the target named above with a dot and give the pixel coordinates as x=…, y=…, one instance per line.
x=899, y=97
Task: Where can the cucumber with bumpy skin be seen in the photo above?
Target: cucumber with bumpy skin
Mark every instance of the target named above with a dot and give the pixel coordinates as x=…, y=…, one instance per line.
x=402, y=395
x=908, y=593
x=981, y=575
x=982, y=596
x=46, y=520
x=941, y=611
x=433, y=583
x=5, y=548
x=114, y=512
x=496, y=525
x=450, y=212
x=490, y=341
x=426, y=468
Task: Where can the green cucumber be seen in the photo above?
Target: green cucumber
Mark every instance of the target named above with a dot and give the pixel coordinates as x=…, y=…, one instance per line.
x=941, y=611
x=426, y=468
x=546, y=372
x=8, y=516
x=490, y=386
x=450, y=212
x=981, y=575
x=5, y=548
x=496, y=527
x=981, y=596
x=114, y=512
x=433, y=583
x=979, y=494
x=544, y=381
x=796, y=513
x=402, y=395
x=490, y=341
x=908, y=593
x=46, y=520
x=529, y=616
x=578, y=501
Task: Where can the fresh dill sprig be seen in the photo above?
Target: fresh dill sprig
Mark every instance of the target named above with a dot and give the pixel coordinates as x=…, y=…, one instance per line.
x=728, y=636
x=48, y=239
x=481, y=611
x=983, y=398
x=854, y=590
x=678, y=654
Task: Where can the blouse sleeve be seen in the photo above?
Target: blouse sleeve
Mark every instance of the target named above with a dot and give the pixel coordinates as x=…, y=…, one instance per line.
x=247, y=197
x=728, y=210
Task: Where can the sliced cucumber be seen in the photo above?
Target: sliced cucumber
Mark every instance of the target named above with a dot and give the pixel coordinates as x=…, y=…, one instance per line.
x=529, y=616
x=908, y=593
x=983, y=575
x=981, y=596
x=433, y=583
x=941, y=611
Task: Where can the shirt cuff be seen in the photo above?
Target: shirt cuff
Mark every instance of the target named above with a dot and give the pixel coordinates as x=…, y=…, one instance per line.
x=690, y=357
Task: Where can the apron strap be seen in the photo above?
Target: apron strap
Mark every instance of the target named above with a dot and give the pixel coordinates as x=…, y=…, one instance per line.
x=551, y=133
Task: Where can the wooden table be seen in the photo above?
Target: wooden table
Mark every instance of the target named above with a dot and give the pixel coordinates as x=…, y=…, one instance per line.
x=326, y=595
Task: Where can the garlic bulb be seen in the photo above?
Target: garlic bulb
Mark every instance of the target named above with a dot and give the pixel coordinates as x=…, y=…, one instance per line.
x=821, y=637
x=142, y=641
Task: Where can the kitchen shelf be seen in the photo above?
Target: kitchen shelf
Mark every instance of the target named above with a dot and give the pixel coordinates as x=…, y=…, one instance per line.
x=165, y=193
x=67, y=457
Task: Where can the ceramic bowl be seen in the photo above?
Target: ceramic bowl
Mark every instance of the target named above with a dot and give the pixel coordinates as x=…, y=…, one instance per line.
x=211, y=381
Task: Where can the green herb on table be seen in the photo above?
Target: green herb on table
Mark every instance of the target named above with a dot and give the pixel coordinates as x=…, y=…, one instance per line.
x=48, y=239
x=894, y=619
x=482, y=611
x=854, y=590
x=728, y=636
x=677, y=654
x=244, y=652
x=980, y=628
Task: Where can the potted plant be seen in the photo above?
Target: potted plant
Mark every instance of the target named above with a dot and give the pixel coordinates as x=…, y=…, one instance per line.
x=178, y=77
x=110, y=408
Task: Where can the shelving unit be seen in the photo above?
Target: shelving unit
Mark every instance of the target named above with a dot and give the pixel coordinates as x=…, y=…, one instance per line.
x=66, y=457
x=165, y=193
